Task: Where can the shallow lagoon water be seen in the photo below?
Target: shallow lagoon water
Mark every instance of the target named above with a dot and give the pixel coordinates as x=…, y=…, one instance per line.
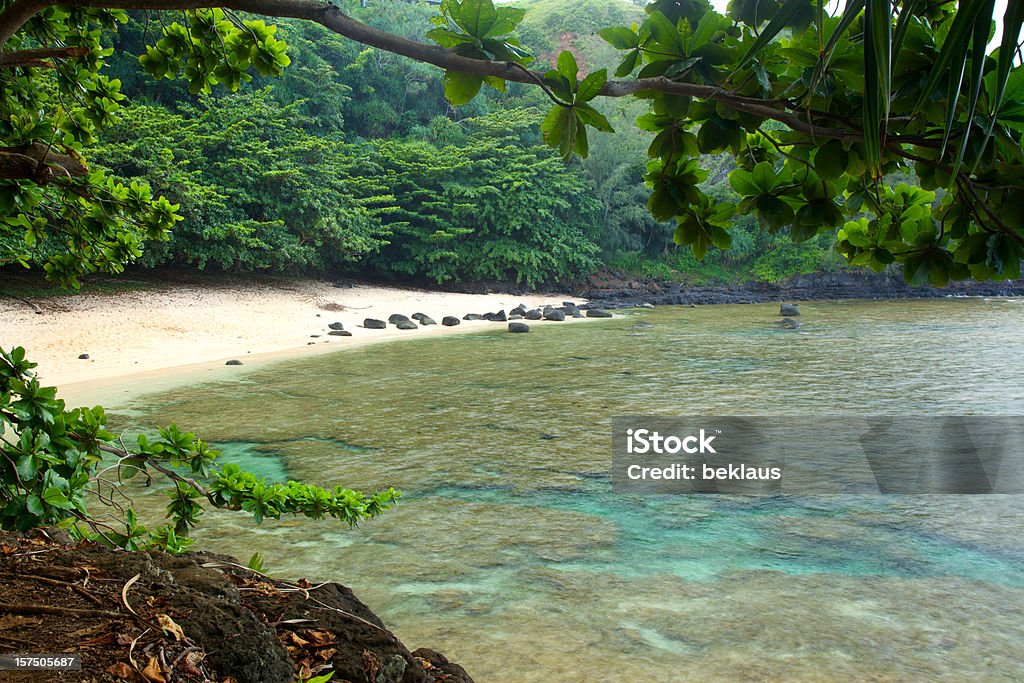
x=511, y=554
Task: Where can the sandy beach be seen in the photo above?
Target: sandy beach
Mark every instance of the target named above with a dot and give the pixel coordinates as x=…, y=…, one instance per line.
x=175, y=329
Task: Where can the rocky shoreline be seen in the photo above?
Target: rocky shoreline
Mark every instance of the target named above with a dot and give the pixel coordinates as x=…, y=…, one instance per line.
x=610, y=290
x=151, y=617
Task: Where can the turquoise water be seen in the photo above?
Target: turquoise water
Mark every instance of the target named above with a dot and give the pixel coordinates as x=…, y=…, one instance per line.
x=511, y=553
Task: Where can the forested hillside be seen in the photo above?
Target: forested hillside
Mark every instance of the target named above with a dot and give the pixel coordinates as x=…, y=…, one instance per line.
x=352, y=161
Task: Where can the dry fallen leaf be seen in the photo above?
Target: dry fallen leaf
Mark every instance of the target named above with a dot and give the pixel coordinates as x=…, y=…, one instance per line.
x=320, y=638
x=296, y=640
x=121, y=670
x=152, y=671
x=105, y=639
x=326, y=655
x=168, y=625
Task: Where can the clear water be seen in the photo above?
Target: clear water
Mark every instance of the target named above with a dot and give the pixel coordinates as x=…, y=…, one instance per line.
x=511, y=554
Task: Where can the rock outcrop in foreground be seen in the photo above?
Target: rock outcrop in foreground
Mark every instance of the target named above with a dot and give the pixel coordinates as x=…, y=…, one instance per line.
x=157, y=618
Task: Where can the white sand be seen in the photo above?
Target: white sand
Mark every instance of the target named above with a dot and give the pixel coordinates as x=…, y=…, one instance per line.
x=176, y=329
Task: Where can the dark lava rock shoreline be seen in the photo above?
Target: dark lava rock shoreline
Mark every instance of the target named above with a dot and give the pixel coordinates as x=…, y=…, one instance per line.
x=609, y=291
x=152, y=617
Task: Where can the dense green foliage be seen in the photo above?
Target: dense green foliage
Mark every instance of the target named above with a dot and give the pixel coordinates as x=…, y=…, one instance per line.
x=53, y=472
x=353, y=160
x=346, y=161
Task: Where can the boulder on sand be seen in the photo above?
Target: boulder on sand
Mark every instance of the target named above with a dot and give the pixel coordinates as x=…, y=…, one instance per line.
x=374, y=324
x=518, y=327
x=450, y=321
x=598, y=313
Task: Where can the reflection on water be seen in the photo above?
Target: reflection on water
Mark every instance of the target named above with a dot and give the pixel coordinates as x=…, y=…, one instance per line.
x=511, y=554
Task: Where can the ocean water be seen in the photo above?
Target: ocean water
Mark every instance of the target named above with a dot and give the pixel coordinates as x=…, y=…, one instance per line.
x=511, y=554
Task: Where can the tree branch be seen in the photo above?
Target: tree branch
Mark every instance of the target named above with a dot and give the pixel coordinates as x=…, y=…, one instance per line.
x=37, y=162
x=36, y=57
x=337, y=21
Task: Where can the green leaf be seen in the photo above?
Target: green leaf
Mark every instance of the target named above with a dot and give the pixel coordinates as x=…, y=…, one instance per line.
x=460, y=88
x=55, y=497
x=953, y=54
x=831, y=160
x=476, y=17
x=877, y=73
x=1013, y=19
x=620, y=38
x=591, y=86
x=567, y=65
x=593, y=118
x=26, y=467
x=781, y=20
x=34, y=505
x=628, y=64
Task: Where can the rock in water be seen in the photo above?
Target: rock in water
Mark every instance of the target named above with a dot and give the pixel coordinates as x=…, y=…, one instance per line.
x=533, y=314
x=426, y=320
x=233, y=362
x=396, y=318
x=554, y=314
x=598, y=313
x=450, y=321
x=336, y=326
x=374, y=324
x=789, y=310
x=406, y=325
x=518, y=327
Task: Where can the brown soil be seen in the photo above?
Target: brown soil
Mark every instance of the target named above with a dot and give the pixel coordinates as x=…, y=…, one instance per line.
x=158, y=618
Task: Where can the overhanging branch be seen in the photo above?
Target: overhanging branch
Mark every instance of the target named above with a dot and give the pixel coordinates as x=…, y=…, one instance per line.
x=38, y=162
x=37, y=57
x=337, y=21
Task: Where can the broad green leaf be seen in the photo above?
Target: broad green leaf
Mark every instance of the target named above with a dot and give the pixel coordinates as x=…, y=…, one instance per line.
x=476, y=17
x=460, y=88
x=593, y=118
x=627, y=65
x=620, y=38
x=591, y=86
x=55, y=497
x=567, y=65
x=830, y=160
